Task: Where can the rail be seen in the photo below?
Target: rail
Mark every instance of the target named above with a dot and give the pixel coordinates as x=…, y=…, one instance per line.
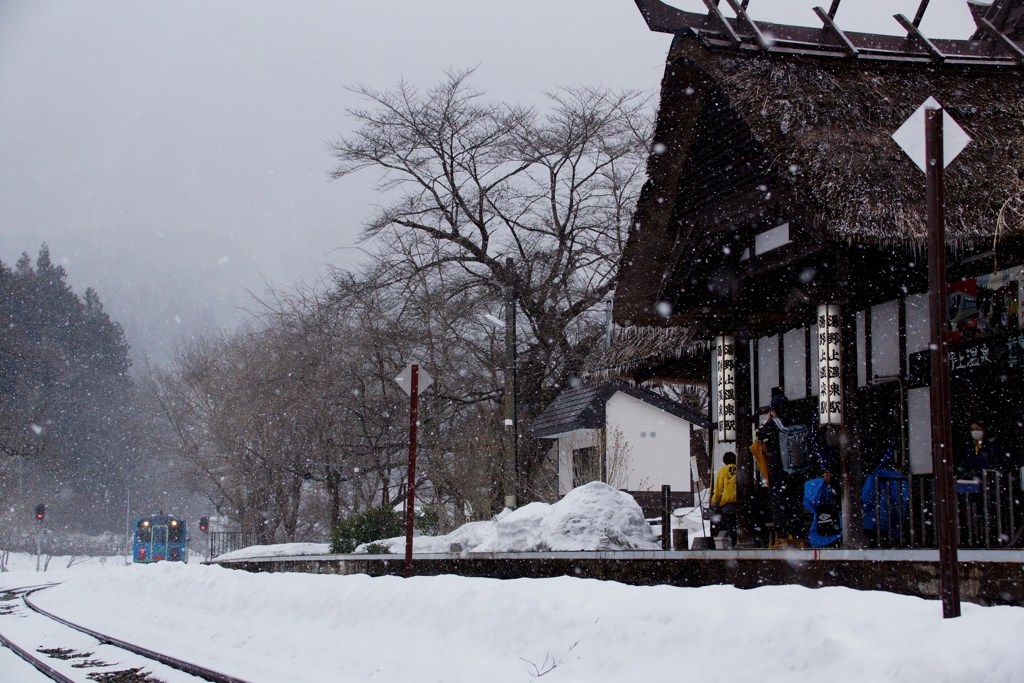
x=990, y=514
x=53, y=674
x=222, y=542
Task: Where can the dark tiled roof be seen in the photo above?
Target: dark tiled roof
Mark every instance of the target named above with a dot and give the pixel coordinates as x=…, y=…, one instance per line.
x=573, y=409
x=584, y=408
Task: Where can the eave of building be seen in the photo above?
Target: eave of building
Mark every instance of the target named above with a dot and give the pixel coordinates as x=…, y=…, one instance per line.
x=989, y=49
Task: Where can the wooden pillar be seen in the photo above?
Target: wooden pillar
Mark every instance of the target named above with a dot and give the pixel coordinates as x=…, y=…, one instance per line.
x=849, y=438
x=744, y=460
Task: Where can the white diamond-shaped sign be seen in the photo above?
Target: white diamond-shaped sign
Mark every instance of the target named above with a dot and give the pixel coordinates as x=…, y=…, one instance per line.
x=910, y=136
x=405, y=380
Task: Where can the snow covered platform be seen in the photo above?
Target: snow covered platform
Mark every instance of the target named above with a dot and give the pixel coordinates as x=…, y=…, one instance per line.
x=986, y=576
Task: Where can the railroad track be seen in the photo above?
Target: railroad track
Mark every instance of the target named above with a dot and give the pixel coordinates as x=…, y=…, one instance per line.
x=70, y=653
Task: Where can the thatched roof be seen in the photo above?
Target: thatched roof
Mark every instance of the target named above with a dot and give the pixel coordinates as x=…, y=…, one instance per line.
x=747, y=140
x=826, y=132
x=640, y=347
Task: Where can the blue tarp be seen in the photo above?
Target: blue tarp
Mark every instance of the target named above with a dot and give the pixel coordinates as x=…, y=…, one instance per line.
x=893, y=501
x=812, y=494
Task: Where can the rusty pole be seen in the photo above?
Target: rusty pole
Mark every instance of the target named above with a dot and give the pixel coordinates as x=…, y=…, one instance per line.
x=942, y=452
x=410, y=501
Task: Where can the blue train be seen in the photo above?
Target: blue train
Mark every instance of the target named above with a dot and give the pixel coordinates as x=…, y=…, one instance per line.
x=160, y=537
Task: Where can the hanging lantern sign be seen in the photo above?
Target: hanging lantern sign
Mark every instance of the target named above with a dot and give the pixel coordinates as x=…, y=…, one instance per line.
x=830, y=383
x=725, y=366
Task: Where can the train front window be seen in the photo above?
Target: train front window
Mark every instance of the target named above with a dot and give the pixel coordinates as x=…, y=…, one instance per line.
x=176, y=532
x=160, y=534
x=144, y=532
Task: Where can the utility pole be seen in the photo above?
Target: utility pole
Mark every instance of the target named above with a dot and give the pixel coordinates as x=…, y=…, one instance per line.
x=511, y=404
x=410, y=502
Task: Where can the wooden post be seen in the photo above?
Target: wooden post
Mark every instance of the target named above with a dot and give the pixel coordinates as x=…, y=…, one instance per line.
x=744, y=459
x=666, y=517
x=942, y=452
x=849, y=442
x=410, y=501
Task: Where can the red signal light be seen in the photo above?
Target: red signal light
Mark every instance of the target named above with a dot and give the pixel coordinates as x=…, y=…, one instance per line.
x=40, y=512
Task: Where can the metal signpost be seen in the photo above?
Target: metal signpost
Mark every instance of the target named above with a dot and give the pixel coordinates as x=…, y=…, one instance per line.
x=413, y=380
x=943, y=140
x=40, y=516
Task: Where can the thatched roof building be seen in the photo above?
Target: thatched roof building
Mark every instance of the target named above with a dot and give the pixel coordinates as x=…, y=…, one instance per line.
x=748, y=139
x=782, y=225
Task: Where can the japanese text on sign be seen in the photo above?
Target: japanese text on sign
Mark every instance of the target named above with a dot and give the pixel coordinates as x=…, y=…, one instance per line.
x=725, y=370
x=830, y=383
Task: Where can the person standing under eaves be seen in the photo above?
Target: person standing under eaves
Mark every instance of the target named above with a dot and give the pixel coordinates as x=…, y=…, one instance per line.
x=785, y=490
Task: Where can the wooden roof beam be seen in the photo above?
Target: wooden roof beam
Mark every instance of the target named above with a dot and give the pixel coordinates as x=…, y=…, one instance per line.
x=999, y=12
x=1013, y=48
x=663, y=18
x=723, y=23
x=920, y=13
x=914, y=33
x=741, y=13
x=830, y=24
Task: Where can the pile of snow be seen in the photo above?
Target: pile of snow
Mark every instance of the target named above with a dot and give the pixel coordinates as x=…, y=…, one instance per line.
x=592, y=517
x=271, y=627
x=277, y=550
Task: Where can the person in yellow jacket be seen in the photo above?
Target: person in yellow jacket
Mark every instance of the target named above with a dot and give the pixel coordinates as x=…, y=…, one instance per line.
x=723, y=499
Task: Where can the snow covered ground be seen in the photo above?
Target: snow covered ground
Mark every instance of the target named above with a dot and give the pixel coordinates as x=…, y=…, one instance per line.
x=302, y=627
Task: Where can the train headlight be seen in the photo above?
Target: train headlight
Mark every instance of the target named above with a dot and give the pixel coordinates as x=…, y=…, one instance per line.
x=174, y=522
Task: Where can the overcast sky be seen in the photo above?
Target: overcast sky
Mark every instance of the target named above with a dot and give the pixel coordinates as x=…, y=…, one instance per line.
x=172, y=154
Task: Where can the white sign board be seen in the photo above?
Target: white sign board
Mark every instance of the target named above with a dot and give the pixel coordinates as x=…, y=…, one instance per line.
x=910, y=136
x=830, y=382
x=725, y=371
x=405, y=380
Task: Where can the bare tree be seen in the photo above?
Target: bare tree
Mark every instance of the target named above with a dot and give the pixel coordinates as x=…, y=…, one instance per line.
x=295, y=420
x=498, y=198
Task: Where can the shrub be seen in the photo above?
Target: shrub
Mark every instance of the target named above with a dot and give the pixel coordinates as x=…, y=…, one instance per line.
x=431, y=519
x=372, y=524
x=378, y=549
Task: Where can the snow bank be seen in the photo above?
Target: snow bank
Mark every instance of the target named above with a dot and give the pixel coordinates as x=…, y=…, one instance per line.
x=271, y=627
x=278, y=550
x=592, y=517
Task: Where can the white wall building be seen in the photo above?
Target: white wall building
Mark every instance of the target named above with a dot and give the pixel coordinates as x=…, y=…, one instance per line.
x=630, y=438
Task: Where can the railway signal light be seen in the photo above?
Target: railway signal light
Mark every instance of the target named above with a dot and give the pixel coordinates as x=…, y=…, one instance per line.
x=204, y=524
x=40, y=512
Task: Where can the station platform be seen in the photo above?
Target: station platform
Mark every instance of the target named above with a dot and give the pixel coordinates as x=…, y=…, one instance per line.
x=987, y=577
